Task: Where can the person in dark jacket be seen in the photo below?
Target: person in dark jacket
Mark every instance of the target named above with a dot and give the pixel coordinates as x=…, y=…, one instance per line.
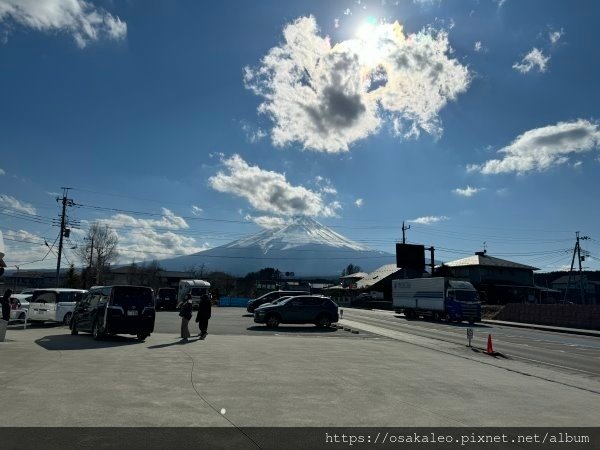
x=203, y=315
x=6, y=305
x=186, y=316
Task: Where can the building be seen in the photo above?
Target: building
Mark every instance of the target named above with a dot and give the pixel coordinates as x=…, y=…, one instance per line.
x=499, y=281
x=591, y=289
x=349, y=281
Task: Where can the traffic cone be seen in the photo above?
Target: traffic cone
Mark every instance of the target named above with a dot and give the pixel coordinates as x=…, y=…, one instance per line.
x=490, y=347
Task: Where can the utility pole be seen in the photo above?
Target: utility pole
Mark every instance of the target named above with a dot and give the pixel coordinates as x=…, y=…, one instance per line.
x=89, y=272
x=403, y=230
x=576, y=251
x=64, y=232
x=432, y=250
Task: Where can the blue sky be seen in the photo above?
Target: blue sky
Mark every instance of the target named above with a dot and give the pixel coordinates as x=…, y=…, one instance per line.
x=185, y=125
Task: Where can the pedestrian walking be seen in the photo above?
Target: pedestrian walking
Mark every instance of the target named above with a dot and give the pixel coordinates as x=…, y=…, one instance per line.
x=6, y=305
x=186, y=316
x=204, y=310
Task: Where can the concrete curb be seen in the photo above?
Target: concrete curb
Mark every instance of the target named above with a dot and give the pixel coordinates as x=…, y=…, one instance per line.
x=533, y=326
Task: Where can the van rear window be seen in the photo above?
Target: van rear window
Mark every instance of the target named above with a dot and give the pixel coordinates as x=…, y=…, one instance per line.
x=44, y=297
x=132, y=295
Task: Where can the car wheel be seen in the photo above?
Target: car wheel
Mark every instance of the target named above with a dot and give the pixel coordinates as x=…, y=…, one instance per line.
x=96, y=331
x=323, y=321
x=67, y=319
x=272, y=321
x=22, y=316
x=142, y=336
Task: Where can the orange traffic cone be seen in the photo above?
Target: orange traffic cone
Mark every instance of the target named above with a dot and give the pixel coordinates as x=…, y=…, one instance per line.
x=490, y=347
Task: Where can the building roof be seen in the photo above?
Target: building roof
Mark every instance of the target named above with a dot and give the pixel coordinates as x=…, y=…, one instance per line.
x=377, y=275
x=357, y=275
x=487, y=261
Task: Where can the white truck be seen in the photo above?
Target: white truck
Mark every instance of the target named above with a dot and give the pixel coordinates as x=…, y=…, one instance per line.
x=195, y=287
x=438, y=298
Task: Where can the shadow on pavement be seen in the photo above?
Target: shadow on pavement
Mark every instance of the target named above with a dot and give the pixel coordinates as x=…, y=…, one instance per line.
x=248, y=315
x=83, y=342
x=296, y=329
x=449, y=324
x=171, y=344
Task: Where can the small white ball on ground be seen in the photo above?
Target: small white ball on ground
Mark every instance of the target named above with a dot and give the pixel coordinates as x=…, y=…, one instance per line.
x=223, y=411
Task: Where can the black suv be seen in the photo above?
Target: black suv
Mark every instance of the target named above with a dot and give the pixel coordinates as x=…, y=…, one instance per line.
x=269, y=297
x=166, y=298
x=317, y=309
x=111, y=310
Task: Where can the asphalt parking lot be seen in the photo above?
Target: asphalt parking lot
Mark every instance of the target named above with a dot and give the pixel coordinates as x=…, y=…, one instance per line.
x=246, y=375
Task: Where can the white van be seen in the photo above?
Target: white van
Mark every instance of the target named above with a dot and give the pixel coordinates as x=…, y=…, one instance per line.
x=54, y=304
x=195, y=287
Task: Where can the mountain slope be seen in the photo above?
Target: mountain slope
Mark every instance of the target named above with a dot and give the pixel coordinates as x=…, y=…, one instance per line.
x=304, y=247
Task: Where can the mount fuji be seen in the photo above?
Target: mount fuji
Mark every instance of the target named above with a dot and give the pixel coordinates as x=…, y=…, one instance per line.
x=303, y=246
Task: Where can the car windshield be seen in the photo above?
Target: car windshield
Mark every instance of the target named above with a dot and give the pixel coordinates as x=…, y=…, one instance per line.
x=132, y=295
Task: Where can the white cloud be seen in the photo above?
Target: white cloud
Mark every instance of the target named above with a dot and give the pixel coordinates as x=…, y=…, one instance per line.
x=13, y=203
x=146, y=243
x=359, y=202
x=80, y=18
x=502, y=192
x=325, y=186
x=347, y=12
x=196, y=210
x=500, y=3
x=428, y=220
x=535, y=59
x=145, y=239
x=555, y=36
x=269, y=222
x=577, y=163
x=336, y=22
x=468, y=191
x=542, y=148
x=2, y=172
x=327, y=97
x=479, y=47
x=24, y=252
x=270, y=191
x=169, y=220
x=253, y=134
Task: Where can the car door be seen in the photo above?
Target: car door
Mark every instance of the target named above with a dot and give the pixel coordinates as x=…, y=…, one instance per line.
x=80, y=315
x=297, y=311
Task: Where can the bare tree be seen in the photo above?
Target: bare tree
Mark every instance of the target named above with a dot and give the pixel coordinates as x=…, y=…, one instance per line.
x=99, y=251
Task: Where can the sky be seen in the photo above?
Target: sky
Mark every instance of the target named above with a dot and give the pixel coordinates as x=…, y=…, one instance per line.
x=184, y=125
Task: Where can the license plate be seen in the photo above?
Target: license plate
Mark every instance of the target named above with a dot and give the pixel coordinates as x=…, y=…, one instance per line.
x=132, y=313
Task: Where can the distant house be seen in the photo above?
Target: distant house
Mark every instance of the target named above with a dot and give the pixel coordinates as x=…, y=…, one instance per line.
x=591, y=289
x=141, y=276
x=352, y=279
x=499, y=281
x=380, y=281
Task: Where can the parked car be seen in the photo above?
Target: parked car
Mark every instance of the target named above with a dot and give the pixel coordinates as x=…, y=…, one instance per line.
x=166, y=298
x=110, y=310
x=54, y=304
x=19, y=305
x=269, y=297
x=317, y=309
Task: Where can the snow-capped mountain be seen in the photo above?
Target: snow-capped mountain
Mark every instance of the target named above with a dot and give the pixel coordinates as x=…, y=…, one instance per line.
x=304, y=246
x=301, y=231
